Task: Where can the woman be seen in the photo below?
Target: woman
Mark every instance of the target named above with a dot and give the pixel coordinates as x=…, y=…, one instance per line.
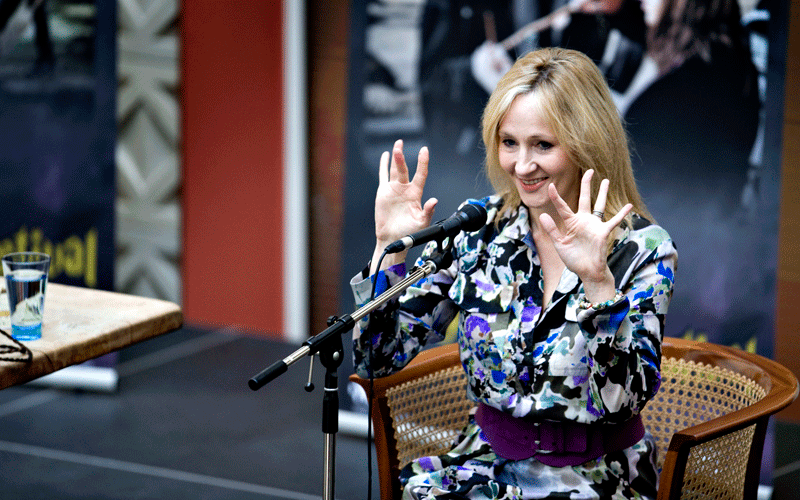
x=559, y=299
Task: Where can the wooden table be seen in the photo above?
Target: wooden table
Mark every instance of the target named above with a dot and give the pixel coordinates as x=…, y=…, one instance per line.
x=82, y=323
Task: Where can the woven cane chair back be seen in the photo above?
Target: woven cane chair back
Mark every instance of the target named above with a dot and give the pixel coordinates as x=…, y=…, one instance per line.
x=692, y=393
x=709, y=417
x=429, y=413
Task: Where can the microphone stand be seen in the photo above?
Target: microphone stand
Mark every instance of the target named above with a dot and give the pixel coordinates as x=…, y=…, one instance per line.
x=328, y=344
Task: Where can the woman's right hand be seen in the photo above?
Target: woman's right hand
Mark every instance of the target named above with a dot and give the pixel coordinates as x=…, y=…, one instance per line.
x=398, y=203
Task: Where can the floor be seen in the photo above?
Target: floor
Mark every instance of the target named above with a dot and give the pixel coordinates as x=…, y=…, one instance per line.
x=786, y=475
x=183, y=424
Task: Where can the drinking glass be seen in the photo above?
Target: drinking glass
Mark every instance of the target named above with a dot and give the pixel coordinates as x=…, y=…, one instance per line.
x=26, y=279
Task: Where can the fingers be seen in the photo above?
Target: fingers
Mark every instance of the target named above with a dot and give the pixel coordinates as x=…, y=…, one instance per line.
x=617, y=219
x=602, y=194
x=398, y=170
x=585, y=198
x=584, y=203
x=562, y=207
x=383, y=168
x=421, y=174
x=549, y=225
x=428, y=209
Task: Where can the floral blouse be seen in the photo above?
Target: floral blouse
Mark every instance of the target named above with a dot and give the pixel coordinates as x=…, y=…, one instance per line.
x=561, y=363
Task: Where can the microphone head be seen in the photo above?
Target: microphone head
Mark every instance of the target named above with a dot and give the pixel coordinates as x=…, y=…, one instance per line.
x=473, y=217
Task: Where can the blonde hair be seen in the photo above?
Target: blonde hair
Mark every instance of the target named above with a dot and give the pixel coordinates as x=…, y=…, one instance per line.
x=578, y=107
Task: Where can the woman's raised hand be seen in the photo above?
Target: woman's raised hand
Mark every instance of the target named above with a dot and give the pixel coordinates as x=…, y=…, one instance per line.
x=580, y=238
x=398, y=203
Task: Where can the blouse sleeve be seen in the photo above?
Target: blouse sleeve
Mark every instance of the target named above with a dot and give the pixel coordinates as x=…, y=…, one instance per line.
x=400, y=328
x=624, y=338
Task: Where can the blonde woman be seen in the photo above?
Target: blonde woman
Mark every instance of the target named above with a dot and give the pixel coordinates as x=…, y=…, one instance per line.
x=559, y=300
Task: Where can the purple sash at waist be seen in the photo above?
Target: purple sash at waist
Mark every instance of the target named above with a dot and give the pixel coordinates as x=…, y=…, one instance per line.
x=557, y=444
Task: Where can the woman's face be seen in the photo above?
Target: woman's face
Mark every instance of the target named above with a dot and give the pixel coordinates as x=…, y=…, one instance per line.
x=530, y=153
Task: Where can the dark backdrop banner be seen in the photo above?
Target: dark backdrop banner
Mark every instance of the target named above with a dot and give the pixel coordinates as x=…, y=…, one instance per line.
x=706, y=141
x=57, y=135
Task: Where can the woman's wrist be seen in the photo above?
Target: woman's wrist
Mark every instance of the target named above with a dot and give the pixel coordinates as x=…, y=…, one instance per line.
x=599, y=306
x=388, y=261
x=600, y=290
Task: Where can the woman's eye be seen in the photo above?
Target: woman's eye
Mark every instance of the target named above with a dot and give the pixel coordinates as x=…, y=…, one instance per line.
x=545, y=145
x=508, y=143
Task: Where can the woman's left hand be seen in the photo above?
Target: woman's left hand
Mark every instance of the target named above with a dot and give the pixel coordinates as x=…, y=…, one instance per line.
x=581, y=237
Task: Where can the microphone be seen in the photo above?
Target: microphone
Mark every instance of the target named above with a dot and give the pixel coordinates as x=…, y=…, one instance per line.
x=471, y=217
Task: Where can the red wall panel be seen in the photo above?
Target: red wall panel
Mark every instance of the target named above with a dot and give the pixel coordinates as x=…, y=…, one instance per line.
x=232, y=125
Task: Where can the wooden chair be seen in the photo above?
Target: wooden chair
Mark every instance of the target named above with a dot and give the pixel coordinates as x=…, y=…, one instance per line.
x=709, y=416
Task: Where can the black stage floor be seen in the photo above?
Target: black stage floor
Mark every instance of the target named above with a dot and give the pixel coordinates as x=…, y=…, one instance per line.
x=183, y=424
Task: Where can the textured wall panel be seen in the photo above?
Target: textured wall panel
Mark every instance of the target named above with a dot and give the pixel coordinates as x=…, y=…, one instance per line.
x=148, y=162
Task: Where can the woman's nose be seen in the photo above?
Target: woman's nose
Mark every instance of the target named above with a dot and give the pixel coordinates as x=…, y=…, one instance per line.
x=524, y=164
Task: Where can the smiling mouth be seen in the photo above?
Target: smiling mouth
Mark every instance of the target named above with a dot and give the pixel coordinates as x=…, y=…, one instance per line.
x=532, y=183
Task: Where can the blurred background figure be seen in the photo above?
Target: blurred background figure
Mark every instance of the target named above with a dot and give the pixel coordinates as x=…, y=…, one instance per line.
x=612, y=33
x=699, y=81
x=15, y=15
x=693, y=112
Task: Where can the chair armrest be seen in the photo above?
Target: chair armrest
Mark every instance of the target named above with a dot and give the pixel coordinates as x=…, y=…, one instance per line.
x=780, y=385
